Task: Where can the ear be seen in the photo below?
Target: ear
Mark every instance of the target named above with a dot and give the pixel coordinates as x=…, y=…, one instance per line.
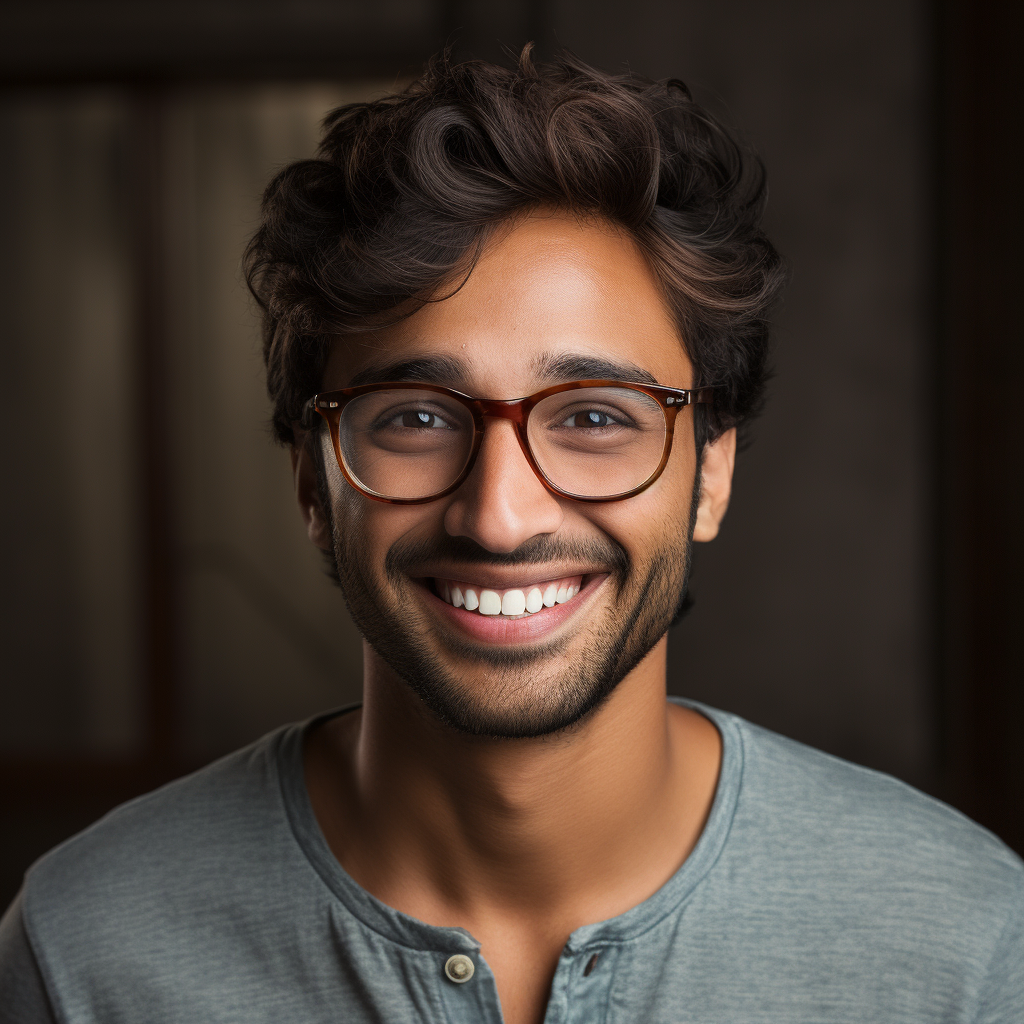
x=308, y=494
x=716, y=468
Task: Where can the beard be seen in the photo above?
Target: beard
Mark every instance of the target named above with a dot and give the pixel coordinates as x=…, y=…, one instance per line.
x=530, y=690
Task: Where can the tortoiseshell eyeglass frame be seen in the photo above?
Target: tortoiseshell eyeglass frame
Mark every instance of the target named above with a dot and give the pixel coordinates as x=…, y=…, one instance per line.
x=331, y=404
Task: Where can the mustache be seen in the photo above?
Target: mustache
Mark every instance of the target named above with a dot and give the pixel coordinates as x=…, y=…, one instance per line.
x=403, y=557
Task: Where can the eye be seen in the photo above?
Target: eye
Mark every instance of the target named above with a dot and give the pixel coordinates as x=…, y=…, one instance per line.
x=589, y=419
x=420, y=419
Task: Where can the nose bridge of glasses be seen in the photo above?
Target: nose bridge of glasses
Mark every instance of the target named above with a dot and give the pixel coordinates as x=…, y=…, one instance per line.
x=515, y=412
x=499, y=409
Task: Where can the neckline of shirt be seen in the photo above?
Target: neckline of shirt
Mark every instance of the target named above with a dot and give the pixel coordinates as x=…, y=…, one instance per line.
x=408, y=931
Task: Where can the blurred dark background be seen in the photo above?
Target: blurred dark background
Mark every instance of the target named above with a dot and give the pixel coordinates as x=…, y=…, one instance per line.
x=160, y=604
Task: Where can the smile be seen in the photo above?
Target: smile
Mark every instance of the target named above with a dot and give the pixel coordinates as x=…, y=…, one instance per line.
x=511, y=603
x=522, y=612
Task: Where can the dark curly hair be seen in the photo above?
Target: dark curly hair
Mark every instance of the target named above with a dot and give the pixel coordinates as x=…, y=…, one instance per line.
x=405, y=190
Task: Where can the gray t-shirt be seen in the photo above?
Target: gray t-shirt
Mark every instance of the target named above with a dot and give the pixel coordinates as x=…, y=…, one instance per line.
x=819, y=891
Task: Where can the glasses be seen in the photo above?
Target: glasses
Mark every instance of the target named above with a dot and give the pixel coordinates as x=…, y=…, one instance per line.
x=591, y=440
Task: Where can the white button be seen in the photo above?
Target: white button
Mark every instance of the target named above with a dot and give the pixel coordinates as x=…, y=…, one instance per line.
x=459, y=968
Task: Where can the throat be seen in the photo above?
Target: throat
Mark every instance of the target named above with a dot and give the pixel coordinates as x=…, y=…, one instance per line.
x=459, y=831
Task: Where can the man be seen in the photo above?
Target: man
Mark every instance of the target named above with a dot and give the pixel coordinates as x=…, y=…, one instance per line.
x=514, y=319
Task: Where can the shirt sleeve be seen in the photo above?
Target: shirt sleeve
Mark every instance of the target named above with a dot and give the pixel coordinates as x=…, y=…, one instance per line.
x=23, y=998
x=1002, y=999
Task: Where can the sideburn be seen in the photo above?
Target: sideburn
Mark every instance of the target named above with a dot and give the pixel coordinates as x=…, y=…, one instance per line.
x=316, y=452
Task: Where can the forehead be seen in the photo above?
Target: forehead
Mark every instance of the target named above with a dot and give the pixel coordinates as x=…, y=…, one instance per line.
x=551, y=297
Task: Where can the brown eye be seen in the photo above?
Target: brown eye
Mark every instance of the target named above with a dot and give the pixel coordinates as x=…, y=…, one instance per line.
x=589, y=419
x=417, y=419
x=420, y=419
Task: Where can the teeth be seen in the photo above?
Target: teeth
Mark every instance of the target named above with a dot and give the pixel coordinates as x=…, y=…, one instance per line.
x=510, y=602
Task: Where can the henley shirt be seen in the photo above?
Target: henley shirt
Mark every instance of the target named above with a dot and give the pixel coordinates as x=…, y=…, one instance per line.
x=818, y=891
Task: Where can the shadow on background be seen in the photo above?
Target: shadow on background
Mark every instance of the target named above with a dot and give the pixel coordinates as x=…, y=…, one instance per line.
x=161, y=604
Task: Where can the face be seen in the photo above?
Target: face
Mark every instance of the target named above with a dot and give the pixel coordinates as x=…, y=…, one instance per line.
x=551, y=299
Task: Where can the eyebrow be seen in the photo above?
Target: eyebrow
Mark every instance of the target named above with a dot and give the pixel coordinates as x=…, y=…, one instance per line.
x=425, y=370
x=577, y=367
x=547, y=367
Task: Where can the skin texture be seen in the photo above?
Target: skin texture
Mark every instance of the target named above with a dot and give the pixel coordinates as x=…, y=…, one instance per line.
x=520, y=840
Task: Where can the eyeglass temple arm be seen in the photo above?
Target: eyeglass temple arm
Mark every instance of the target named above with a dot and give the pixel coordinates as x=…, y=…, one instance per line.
x=693, y=396
x=308, y=418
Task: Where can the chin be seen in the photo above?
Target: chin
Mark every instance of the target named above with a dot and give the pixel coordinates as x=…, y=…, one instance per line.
x=512, y=693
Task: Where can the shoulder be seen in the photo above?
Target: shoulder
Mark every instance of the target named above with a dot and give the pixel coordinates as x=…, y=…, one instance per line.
x=826, y=802
x=162, y=856
x=23, y=997
x=867, y=854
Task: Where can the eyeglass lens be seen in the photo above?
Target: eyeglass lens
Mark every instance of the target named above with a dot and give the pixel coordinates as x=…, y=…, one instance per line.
x=591, y=442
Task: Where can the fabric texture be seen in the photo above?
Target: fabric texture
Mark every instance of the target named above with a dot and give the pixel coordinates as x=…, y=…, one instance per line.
x=818, y=892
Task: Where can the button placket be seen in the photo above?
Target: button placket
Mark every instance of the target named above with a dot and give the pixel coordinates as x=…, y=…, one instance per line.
x=467, y=989
x=589, y=986
x=459, y=968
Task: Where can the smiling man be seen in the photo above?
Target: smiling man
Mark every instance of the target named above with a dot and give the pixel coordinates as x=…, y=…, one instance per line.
x=513, y=321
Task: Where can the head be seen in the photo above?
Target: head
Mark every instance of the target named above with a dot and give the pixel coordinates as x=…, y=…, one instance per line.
x=496, y=232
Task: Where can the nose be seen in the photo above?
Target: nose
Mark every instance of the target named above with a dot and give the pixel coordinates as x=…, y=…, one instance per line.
x=502, y=502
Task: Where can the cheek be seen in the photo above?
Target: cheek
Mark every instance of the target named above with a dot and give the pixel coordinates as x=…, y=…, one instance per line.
x=369, y=529
x=656, y=518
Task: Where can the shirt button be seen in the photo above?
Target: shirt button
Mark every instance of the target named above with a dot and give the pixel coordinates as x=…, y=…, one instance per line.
x=459, y=968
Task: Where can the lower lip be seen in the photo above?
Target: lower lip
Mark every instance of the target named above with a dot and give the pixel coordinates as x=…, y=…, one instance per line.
x=497, y=629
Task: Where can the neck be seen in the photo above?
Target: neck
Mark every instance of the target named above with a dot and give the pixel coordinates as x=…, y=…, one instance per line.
x=453, y=828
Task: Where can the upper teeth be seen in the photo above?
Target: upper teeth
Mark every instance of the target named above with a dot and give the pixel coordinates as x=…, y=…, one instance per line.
x=509, y=602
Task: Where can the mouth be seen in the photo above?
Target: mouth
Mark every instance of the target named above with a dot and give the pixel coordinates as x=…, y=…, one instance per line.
x=532, y=611
x=511, y=603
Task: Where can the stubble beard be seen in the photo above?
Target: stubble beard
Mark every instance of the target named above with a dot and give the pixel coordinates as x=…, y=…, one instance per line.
x=529, y=691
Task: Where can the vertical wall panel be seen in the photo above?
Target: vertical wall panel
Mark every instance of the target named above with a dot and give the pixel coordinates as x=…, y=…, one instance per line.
x=70, y=516
x=265, y=636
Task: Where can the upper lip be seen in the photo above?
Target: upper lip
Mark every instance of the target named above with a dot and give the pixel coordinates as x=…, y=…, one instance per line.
x=511, y=578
